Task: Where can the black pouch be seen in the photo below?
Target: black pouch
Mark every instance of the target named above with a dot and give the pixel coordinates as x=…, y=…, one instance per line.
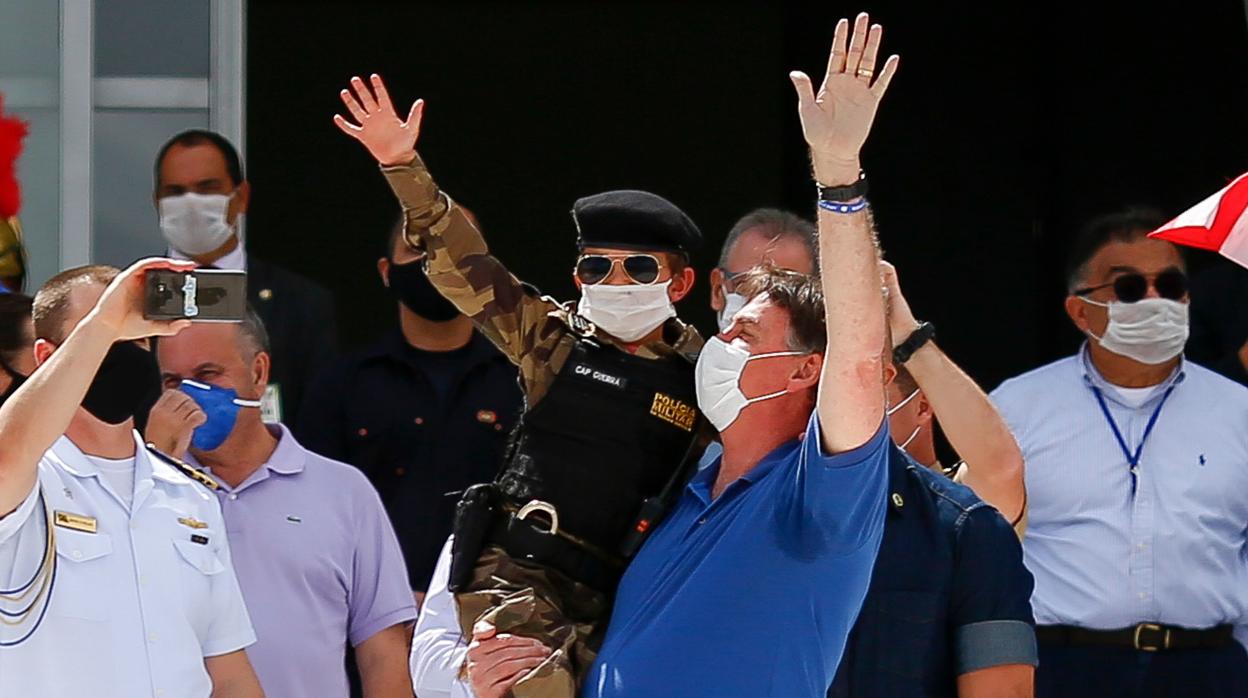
x=474, y=515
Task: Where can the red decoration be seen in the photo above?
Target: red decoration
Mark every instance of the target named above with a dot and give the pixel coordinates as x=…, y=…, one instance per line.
x=1219, y=223
x=12, y=131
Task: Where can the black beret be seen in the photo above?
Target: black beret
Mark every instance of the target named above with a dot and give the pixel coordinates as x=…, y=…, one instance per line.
x=634, y=220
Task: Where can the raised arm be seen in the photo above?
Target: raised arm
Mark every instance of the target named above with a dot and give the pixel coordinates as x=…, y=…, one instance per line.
x=35, y=416
x=836, y=122
x=459, y=262
x=975, y=429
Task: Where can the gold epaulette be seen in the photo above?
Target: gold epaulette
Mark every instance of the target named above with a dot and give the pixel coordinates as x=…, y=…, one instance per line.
x=185, y=468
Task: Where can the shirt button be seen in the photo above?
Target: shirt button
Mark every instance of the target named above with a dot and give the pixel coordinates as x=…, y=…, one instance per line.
x=362, y=431
x=151, y=637
x=77, y=554
x=1141, y=546
x=701, y=521
x=233, y=496
x=419, y=420
x=160, y=692
x=1143, y=595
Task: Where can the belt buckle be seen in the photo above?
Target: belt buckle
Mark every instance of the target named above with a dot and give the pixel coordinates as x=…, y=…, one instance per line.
x=546, y=508
x=1153, y=646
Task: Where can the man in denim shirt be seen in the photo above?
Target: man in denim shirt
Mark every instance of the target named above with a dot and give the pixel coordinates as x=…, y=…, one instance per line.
x=948, y=612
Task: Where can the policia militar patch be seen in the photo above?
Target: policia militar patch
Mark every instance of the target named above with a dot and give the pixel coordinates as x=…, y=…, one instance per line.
x=673, y=411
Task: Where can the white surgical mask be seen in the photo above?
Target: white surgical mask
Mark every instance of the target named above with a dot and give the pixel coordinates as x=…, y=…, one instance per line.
x=196, y=223
x=733, y=303
x=1151, y=331
x=910, y=438
x=895, y=408
x=718, y=376
x=628, y=312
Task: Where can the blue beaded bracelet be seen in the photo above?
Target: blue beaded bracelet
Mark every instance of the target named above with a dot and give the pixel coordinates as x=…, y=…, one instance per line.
x=835, y=207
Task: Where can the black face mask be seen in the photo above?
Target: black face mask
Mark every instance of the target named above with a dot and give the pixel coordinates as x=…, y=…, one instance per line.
x=128, y=381
x=15, y=381
x=412, y=287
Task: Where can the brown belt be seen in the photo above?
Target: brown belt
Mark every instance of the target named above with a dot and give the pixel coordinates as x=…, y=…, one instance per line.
x=1146, y=637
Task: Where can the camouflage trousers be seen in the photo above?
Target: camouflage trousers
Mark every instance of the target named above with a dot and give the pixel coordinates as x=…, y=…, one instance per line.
x=521, y=598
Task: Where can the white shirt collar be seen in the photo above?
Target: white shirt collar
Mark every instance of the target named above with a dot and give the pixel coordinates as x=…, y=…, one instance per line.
x=1094, y=379
x=234, y=259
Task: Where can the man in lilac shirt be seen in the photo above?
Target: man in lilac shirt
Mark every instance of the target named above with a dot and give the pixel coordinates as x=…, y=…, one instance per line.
x=315, y=554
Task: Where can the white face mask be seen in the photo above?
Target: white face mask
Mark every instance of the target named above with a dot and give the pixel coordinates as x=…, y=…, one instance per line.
x=909, y=439
x=895, y=408
x=718, y=376
x=733, y=303
x=1151, y=331
x=627, y=312
x=196, y=223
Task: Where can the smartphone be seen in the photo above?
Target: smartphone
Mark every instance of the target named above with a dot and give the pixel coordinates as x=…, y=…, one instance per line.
x=201, y=295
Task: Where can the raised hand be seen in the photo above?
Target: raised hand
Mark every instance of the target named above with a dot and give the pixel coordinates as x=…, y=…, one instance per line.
x=901, y=318
x=836, y=121
x=121, y=306
x=389, y=140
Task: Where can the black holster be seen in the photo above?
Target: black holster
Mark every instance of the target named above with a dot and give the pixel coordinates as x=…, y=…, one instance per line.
x=474, y=515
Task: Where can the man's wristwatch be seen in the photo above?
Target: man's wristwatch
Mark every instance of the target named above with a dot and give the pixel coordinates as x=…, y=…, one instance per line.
x=846, y=193
x=921, y=335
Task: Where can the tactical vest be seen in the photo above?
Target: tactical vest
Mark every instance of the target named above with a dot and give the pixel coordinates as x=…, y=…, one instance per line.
x=611, y=431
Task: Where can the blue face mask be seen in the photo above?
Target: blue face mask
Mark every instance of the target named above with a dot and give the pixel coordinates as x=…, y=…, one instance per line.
x=221, y=405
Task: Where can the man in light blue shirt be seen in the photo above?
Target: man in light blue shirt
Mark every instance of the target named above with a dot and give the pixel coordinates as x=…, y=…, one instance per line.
x=750, y=585
x=1137, y=480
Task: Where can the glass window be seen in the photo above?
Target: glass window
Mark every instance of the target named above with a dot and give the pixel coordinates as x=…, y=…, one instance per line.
x=166, y=38
x=125, y=143
x=30, y=82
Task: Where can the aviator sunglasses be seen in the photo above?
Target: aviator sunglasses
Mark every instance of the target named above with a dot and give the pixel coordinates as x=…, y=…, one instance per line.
x=595, y=268
x=1131, y=288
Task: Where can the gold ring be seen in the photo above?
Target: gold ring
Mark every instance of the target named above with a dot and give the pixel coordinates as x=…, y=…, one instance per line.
x=865, y=73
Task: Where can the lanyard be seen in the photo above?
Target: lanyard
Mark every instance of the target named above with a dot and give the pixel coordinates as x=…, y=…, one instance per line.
x=1133, y=460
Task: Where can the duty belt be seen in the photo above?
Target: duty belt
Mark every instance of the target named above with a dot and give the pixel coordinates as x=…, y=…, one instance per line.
x=1146, y=637
x=524, y=538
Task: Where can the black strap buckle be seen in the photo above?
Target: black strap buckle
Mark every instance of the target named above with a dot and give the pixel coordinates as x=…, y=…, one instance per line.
x=1151, y=637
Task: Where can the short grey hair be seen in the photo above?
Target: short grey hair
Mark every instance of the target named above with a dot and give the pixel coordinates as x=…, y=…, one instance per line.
x=252, y=337
x=774, y=224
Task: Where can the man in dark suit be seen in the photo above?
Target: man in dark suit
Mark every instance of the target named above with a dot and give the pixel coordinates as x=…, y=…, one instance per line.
x=200, y=195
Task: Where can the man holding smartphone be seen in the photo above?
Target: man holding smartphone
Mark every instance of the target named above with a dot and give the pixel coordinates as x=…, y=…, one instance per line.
x=113, y=561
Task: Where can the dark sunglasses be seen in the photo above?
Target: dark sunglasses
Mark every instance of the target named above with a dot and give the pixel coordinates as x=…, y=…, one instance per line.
x=1131, y=288
x=731, y=278
x=595, y=268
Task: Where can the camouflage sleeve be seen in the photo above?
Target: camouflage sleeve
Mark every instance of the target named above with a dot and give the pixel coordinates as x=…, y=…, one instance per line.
x=461, y=267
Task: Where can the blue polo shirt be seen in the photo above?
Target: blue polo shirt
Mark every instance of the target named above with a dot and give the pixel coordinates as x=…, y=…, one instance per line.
x=753, y=593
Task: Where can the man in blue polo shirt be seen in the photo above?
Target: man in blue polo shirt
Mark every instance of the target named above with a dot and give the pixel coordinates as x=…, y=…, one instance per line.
x=790, y=519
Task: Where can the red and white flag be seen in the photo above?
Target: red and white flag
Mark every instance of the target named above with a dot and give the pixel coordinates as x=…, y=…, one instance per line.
x=1219, y=223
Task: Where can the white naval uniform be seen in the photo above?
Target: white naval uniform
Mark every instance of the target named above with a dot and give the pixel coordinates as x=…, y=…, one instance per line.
x=137, y=605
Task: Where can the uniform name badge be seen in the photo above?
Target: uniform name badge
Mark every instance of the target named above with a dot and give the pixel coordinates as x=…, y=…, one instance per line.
x=271, y=404
x=75, y=522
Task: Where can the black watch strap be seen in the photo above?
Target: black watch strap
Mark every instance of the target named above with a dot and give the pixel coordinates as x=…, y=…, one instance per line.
x=921, y=335
x=846, y=193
